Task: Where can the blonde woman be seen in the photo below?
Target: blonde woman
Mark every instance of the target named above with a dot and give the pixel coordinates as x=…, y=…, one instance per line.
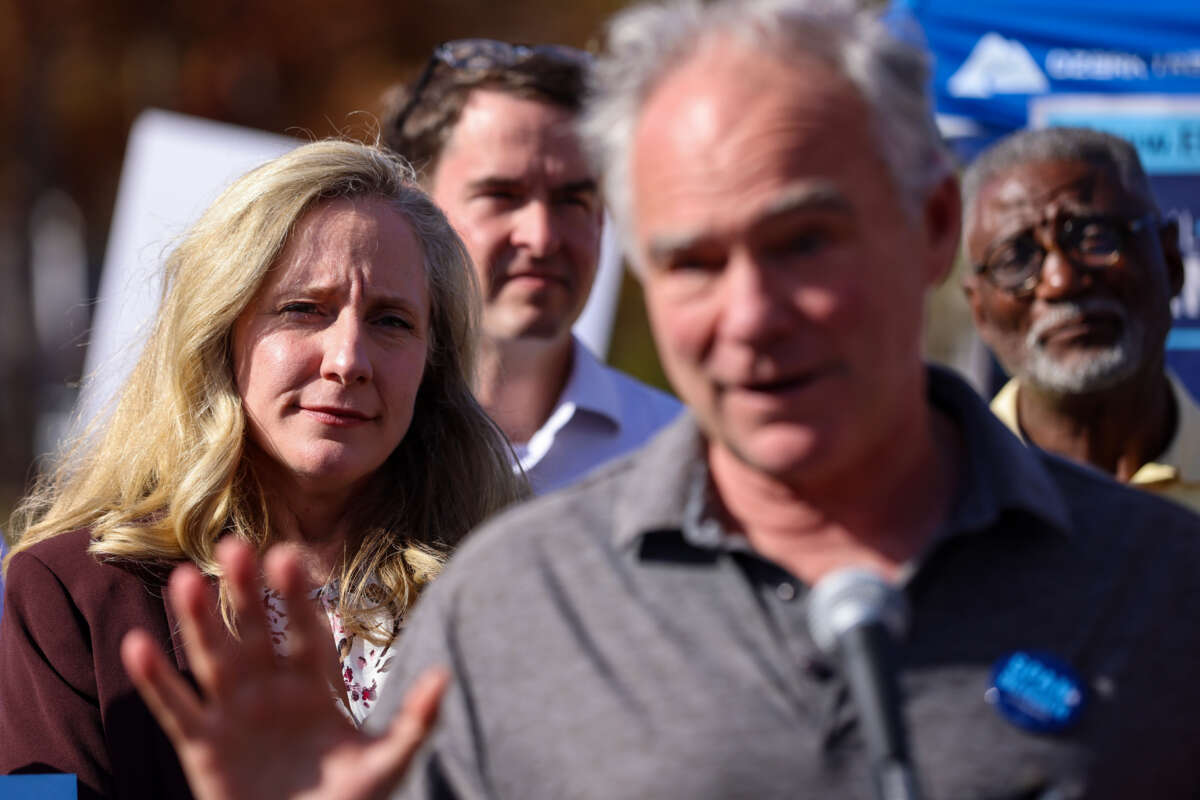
x=307, y=381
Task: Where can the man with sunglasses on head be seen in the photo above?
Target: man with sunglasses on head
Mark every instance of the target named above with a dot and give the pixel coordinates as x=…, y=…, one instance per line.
x=1073, y=275
x=491, y=128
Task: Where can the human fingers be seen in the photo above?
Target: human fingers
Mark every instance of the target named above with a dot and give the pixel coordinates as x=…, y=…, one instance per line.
x=310, y=642
x=205, y=640
x=412, y=725
x=172, y=701
x=239, y=567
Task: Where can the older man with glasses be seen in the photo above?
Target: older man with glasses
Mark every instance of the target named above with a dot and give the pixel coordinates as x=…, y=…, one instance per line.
x=491, y=127
x=1074, y=271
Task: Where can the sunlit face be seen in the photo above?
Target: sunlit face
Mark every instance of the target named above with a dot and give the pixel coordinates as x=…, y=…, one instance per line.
x=330, y=353
x=515, y=185
x=784, y=282
x=1079, y=330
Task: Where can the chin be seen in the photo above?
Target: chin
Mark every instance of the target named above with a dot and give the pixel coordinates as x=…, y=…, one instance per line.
x=530, y=322
x=1086, y=373
x=332, y=474
x=792, y=453
x=544, y=329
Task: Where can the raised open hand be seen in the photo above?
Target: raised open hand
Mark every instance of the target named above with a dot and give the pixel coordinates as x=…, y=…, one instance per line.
x=267, y=727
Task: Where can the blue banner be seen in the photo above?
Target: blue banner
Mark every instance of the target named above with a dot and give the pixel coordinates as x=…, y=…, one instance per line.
x=992, y=56
x=1132, y=69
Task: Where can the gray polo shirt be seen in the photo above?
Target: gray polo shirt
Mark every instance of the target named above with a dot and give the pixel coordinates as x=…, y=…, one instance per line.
x=612, y=641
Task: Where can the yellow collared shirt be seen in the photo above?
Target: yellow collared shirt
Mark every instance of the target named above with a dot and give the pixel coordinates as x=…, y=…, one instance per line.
x=1176, y=473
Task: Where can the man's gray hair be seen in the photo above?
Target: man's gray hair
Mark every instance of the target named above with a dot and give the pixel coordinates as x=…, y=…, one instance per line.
x=1058, y=144
x=647, y=42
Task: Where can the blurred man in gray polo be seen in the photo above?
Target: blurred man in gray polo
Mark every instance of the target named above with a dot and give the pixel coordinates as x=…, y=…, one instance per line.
x=1074, y=271
x=787, y=202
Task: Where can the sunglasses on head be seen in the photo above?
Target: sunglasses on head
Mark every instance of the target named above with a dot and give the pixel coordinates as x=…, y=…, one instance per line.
x=482, y=55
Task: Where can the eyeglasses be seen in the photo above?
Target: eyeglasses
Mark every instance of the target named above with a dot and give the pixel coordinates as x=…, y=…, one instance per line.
x=482, y=55
x=1095, y=242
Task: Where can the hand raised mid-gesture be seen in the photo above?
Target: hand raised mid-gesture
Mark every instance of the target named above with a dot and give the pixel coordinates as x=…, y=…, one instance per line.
x=266, y=727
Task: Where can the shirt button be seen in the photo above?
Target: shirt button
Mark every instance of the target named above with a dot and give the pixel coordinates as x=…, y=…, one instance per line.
x=817, y=669
x=785, y=591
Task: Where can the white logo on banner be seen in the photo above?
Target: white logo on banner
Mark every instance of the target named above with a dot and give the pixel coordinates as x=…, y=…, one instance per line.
x=997, y=66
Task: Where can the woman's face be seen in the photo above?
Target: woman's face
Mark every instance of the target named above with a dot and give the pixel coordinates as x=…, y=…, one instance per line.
x=329, y=354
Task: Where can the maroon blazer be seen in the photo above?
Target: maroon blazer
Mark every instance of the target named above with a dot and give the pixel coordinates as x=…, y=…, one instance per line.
x=66, y=704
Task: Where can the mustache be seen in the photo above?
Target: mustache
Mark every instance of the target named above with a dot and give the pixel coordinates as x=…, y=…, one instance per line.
x=1070, y=311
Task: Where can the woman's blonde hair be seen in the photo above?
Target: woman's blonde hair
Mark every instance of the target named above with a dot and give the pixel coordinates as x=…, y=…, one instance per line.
x=165, y=474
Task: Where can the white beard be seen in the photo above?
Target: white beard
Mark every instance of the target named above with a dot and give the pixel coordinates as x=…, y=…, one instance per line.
x=1080, y=373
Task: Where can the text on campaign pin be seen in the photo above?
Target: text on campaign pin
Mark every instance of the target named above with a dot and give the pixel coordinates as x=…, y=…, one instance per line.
x=1036, y=691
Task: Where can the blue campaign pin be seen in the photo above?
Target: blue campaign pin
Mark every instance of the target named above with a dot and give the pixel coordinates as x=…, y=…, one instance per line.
x=1036, y=691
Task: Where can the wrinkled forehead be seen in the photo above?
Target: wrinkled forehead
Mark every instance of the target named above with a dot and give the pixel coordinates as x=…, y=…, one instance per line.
x=727, y=134
x=1035, y=192
x=1038, y=187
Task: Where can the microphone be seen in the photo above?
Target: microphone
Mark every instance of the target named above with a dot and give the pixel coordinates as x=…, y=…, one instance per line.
x=855, y=616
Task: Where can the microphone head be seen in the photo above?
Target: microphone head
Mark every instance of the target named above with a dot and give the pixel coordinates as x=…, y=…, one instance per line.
x=851, y=597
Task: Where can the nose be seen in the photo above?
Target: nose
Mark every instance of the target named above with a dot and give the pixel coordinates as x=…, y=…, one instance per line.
x=535, y=229
x=345, y=358
x=754, y=306
x=1061, y=277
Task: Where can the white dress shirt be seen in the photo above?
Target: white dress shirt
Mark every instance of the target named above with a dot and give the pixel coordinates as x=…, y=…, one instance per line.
x=602, y=414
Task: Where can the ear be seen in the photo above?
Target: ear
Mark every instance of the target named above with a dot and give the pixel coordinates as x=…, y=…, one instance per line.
x=974, y=294
x=941, y=220
x=1168, y=236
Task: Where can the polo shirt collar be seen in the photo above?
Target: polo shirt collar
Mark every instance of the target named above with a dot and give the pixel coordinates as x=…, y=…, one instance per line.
x=661, y=485
x=1002, y=473
x=669, y=481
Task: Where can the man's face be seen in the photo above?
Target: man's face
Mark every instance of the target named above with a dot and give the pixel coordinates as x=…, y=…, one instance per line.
x=1079, y=329
x=783, y=279
x=514, y=183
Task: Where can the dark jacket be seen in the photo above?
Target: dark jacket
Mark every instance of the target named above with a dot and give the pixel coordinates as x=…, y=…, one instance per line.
x=66, y=704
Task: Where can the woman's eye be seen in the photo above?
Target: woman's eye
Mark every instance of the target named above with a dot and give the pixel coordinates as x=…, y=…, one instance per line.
x=395, y=321
x=298, y=308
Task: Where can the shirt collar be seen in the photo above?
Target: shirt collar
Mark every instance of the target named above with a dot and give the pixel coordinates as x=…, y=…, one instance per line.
x=1001, y=472
x=661, y=485
x=590, y=388
x=1181, y=459
x=590, y=385
x=667, y=489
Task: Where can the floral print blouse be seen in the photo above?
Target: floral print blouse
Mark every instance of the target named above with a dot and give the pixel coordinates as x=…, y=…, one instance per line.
x=364, y=664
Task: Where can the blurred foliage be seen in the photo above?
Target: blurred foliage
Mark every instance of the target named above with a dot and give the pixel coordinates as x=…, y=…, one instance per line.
x=74, y=74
